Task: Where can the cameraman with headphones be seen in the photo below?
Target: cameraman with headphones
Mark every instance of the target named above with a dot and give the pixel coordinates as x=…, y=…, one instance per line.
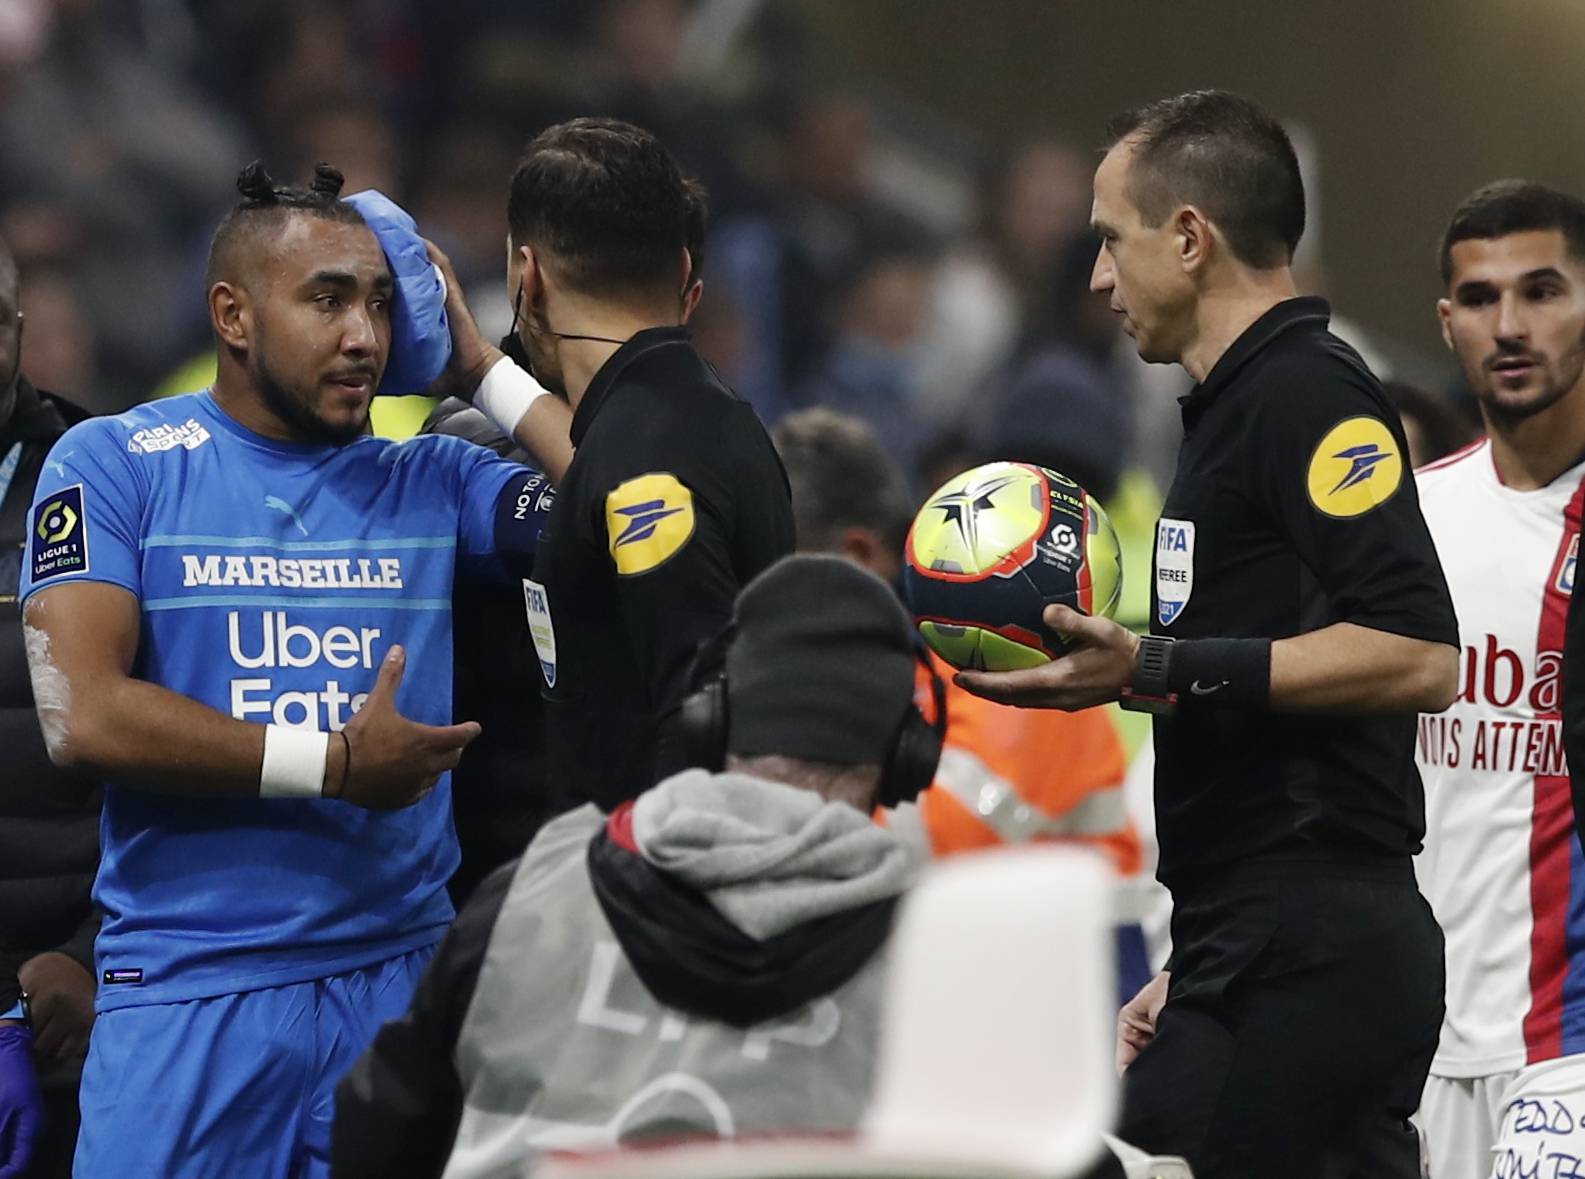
x=703, y=961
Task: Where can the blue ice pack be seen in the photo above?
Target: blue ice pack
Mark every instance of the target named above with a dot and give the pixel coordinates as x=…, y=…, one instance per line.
x=420, y=332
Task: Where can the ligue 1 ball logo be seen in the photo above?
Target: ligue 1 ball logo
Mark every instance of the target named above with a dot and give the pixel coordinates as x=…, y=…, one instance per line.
x=992, y=548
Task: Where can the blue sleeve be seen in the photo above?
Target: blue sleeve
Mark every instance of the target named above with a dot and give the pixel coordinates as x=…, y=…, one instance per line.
x=504, y=507
x=86, y=519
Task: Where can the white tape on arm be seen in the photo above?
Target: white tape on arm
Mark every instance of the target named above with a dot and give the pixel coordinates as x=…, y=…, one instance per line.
x=506, y=393
x=294, y=763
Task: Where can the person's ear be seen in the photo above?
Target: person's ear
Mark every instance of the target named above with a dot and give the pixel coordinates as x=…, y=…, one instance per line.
x=1444, y=317
x=1194, y=238
x=531, y=279
x=231, y=314
x=864, y=547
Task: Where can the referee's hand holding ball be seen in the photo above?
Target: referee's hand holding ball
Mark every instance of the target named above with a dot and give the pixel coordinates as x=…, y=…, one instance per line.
x=1098, y=666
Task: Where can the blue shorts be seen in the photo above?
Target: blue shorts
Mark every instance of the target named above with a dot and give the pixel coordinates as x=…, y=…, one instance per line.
x=238, y=1086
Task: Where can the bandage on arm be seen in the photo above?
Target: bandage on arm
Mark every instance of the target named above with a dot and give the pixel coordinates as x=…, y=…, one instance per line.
x=538, y=420
x=82, y=638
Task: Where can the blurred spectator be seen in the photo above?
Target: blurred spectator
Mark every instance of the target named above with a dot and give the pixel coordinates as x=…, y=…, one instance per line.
x=872, y=368
x=49, y=817
x=356, y=136
x=457, y=202
x=1434, y=427
x=63, y=344
x=127, y=163
x=735, y=917
x=991, y=291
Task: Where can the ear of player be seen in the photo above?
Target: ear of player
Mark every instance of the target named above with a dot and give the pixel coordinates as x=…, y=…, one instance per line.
x=996, y=545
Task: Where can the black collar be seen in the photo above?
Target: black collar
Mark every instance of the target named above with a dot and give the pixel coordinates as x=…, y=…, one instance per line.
x=1288, y=314
x=638, y=345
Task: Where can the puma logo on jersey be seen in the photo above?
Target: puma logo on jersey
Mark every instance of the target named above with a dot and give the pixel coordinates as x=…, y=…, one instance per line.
x=276, y=504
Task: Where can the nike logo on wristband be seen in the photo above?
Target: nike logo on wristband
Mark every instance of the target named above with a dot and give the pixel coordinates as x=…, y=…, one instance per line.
x=1200, y=689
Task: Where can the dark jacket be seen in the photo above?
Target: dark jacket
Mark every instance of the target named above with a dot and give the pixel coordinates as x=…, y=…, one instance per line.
x=501, y=794
x=49, y=817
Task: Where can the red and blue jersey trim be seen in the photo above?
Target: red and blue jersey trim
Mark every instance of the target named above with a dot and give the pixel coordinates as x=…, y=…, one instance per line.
x=1555, y=1023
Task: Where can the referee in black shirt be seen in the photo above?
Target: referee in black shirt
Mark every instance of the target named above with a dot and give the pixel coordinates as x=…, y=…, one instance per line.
x=1300, y=620
x=674, y=497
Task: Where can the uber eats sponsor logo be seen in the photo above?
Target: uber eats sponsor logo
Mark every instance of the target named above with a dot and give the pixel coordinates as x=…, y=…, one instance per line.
x=331, y=573
x=271, y=640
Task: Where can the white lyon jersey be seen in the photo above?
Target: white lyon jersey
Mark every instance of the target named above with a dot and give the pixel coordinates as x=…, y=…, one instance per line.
x=1501, y=866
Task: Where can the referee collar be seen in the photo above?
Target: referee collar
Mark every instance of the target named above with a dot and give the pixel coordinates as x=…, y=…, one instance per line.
x=1307, y=310
x=639, y=344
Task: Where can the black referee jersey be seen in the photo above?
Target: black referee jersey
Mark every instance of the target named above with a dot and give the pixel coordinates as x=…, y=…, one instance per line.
x=1306, y=974
x=674, y=500
x=1293, y=508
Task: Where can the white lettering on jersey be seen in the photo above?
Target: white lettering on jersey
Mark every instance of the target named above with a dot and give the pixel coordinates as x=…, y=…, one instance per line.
x=336, y=573
x=277, y=642
x=189, y=435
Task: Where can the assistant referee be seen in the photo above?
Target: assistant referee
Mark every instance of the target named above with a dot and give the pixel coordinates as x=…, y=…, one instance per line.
x=1300, y=620
x=674, y=497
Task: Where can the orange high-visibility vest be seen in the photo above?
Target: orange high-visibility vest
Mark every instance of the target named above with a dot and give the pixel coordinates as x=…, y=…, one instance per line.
x=1012, y=775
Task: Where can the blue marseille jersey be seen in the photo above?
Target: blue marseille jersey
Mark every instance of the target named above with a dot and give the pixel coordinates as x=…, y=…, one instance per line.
x=273, y=578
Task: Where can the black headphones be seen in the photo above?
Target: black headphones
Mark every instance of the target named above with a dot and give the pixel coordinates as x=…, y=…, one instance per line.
x=702, y=724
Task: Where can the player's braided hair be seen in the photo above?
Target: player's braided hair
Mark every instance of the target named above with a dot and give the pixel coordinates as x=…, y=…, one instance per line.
x=266, y=206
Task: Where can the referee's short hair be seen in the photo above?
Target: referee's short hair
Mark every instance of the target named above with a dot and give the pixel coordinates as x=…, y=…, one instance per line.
x=1514, y=206
x=608, y=205
x=1221, y=153
x=841, y=478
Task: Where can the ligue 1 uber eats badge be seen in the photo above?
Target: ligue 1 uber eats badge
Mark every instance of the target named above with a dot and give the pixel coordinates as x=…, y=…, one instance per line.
x=60, y=535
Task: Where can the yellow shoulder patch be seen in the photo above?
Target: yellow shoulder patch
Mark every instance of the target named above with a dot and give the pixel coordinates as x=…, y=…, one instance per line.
x=1356, y=467
x=647, y=522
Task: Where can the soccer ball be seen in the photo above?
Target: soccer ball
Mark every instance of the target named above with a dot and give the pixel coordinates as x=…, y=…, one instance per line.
x=995, y=546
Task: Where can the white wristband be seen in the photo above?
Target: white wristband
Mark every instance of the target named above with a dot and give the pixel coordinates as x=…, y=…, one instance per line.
x=294, y=763
x=506, y=393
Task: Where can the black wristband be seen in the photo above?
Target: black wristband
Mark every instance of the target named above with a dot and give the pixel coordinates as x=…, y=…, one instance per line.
x=1226, y=673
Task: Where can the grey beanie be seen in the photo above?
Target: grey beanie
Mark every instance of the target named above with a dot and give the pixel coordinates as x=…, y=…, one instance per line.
x=821, y=665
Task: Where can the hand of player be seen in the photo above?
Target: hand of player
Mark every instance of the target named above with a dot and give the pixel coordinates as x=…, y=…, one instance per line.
x=61, y=994
x=471, y=354
x=395, y=761
x=21, y=1104
x=1099, y=664
x=1136, y=1022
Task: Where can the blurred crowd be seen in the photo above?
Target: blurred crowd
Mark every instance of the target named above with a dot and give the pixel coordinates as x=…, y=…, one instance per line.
x=864, y=254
